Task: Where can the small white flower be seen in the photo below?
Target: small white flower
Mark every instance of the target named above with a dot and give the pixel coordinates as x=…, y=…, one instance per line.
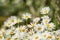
x=44, y=21
x=39, y=28
x=45, y=10
x=36, y=36
x=48, y=36
x=31, y=25
x=9, y=32
x=26, y=16
x=49, y=26
x=11, y=21
x=7, y=23
x=35, y=20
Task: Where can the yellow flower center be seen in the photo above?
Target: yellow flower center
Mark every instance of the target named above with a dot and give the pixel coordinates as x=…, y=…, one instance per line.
x=57, y=38
x=45, y=11
x=8, y=24
x=50, y=37
x=44, y=35
x=36, y=37
x=0, y=37
x=11, y=32
x=12, y=20
x=31, y=32
x=22, y=29
x=48, y=25
x=26, y=17
x=39, y=28
x=46, y=20
x=9, y=39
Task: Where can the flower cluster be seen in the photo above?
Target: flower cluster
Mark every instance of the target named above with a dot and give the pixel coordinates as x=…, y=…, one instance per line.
x=39, y=28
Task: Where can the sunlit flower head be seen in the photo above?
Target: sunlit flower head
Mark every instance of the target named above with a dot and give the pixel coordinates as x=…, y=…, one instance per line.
x=26, y=16
x=44, y=21
x=48, y=36
x=39, y=28
x=49, y=26
x=7, y=23
x=36, y=36
x=45, y=10
x=22, y=28
x=11, y=21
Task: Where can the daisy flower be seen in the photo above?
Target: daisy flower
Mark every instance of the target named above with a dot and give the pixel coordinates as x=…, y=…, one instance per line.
x=39, y=28
x=31, y=25
x=9, y=32
x=44, y=21
x=7, y=24
x=49, y=26
x=45, y=10
x=22, y=28
x=48, y=36
x=37, y=19
x=11, y=21
x=26, y=16
x=36, y=36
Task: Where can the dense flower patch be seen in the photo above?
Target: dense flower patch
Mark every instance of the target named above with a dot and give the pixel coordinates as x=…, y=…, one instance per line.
x=28, y=28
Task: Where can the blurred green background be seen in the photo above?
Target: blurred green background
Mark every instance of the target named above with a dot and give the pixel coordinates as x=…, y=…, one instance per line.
x=18, y=7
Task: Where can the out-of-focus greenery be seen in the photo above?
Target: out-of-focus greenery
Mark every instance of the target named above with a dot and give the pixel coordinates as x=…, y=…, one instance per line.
x=18, y=7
